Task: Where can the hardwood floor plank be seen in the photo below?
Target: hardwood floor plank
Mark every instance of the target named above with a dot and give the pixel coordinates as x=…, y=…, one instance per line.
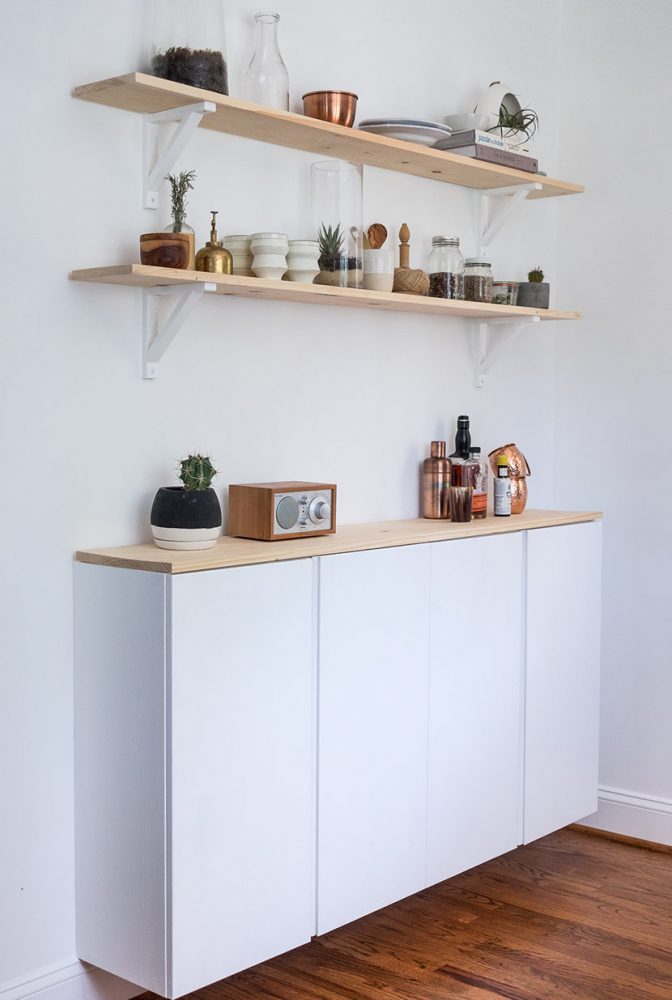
x=569, y=917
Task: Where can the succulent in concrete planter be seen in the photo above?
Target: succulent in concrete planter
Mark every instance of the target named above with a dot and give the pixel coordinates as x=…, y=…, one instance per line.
x=535, y=292
x=188, y=516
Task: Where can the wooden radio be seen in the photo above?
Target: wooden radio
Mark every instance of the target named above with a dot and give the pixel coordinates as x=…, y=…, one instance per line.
x=272, y=511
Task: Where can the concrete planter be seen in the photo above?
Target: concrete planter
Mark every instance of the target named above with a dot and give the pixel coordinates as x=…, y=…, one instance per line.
x=534, y=294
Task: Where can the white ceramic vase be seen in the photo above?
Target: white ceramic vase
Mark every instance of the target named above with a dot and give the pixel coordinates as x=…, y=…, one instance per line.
x=239, y=248
x=270, y=255
x=302, y=261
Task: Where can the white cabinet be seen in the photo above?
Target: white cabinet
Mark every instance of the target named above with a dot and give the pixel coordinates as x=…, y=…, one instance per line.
x=475, y=693
x=195, y=775
x=372, y=772
x=563, y=663
x=268, y=751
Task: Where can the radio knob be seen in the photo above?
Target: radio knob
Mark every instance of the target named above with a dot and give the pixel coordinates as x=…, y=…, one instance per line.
x=287, y=512
x=319, y=510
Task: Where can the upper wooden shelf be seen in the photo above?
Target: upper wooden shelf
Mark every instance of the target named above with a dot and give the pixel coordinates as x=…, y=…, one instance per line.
x=148, y=94
x=144, y=276
x=349, y=538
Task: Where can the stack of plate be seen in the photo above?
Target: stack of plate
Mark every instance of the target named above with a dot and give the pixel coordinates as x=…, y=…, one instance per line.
x=406, y=129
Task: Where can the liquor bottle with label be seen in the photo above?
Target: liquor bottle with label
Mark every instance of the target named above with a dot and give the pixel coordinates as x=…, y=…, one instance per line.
x=502, y=488
x=461, y=453
x=475, y=472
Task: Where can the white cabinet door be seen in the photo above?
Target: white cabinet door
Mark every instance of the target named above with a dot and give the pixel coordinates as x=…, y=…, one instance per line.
x=373, y=669
x=475, y=693
x=241, y=818
x=563, y=660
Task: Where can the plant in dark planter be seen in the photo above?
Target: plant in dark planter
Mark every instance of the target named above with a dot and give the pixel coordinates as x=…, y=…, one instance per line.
x=188, y=516
x=336, y=266
x=535, y=292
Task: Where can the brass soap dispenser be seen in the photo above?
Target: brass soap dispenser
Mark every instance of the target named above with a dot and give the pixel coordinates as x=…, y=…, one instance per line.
x=213, y=257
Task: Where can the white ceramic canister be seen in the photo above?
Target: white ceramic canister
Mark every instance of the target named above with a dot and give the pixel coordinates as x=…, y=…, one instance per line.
x=270, y=254
x=302, y=260
x=239, y=248
x=378, y=270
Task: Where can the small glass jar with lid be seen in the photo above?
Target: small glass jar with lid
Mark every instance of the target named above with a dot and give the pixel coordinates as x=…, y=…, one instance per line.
x=188, y=43
x=446, y=268
x=477, y=280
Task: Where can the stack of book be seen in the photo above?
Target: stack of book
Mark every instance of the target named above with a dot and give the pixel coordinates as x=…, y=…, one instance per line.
x=490, y=147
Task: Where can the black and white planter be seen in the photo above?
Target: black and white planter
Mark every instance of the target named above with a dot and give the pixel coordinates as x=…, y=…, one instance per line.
x=185, y=519
x=534, y=294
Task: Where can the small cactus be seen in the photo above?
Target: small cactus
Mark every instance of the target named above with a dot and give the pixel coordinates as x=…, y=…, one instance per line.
x=197, y=472
x=536, y=275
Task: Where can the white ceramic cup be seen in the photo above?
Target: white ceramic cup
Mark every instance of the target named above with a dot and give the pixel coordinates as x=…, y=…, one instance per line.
x=378, y=270
x=239, y=248
x=270, y=255
x=302, y=260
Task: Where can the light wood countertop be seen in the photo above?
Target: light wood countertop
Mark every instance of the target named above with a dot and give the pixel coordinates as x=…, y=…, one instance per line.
x=348, y=538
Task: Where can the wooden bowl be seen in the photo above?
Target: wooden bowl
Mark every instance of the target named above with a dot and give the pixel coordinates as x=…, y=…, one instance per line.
x=335, y=106
x=166, y=249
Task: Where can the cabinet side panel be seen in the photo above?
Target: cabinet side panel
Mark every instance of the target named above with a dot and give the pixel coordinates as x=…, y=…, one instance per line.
x=119, y=772
x=372, y=773
x=474, y=702
x=242, y=771
x=563, y=665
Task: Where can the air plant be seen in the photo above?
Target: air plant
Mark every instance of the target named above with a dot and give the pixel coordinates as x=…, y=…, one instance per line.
x=524, y=122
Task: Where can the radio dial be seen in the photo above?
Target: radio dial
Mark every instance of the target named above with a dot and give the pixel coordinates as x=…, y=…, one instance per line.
x=319, y=510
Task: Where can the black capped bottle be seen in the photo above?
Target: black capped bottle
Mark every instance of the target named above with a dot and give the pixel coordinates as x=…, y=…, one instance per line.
x=462, y=447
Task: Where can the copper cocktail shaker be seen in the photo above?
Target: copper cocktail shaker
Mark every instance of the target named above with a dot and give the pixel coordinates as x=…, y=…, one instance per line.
x=436, y=482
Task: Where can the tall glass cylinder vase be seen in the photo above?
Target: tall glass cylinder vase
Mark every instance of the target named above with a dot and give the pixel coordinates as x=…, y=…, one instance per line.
x=266, y=79
x=337, y=221
x=188, y=43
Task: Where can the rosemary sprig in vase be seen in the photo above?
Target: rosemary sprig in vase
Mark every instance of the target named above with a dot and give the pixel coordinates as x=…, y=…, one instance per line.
x=179, y=185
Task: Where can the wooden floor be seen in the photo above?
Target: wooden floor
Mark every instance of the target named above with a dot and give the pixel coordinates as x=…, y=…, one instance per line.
x=572, y=916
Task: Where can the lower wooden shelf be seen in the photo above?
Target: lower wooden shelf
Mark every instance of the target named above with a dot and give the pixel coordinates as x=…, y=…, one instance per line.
x=144, y=276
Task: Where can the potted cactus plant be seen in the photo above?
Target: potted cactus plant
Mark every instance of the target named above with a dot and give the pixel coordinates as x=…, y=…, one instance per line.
x=535, y=292
x=188, y=516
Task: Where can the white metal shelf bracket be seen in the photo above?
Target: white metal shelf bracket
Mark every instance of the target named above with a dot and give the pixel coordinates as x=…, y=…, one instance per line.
x=486, y=346
x=157, y=333
x=492, y=217
x=156, y=168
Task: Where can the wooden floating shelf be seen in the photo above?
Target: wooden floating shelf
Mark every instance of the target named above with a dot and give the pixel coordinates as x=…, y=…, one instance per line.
x=348, y=538
x=144, y=276
x=148, y=94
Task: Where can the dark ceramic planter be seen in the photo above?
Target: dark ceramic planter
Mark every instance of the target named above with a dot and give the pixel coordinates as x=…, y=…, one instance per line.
x=533, y=294
x=185, y=519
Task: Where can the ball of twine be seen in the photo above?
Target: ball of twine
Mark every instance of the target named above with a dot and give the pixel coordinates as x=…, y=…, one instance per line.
x=413, y=281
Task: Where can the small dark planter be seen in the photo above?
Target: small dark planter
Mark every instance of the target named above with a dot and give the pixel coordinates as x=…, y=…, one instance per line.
x=185, y=519
x=534, y=294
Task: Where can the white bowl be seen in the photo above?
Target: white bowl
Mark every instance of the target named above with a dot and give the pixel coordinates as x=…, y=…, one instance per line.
x=462, y=123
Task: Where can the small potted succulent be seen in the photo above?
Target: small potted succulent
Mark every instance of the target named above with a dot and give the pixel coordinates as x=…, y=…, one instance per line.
x=535, y=292
x=176, y=245
x=337, y=267
x=188, y=516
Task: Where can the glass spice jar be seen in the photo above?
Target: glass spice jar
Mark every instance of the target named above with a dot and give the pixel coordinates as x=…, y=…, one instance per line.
x=477, y=280
x=188, y=43
x=446, y=268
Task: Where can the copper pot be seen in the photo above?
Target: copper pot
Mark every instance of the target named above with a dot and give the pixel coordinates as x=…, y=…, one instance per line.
x=335, y=106
x=518, y=470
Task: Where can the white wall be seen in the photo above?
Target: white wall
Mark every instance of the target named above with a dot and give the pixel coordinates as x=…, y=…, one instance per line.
x=86, y=442
x=614, y=376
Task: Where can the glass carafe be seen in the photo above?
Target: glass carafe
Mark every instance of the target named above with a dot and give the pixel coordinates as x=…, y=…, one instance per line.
x=266, y=79
x=188, y=43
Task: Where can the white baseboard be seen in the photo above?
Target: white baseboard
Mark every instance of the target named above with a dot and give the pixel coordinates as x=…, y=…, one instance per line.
x=74, y=981
x=632, y=815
